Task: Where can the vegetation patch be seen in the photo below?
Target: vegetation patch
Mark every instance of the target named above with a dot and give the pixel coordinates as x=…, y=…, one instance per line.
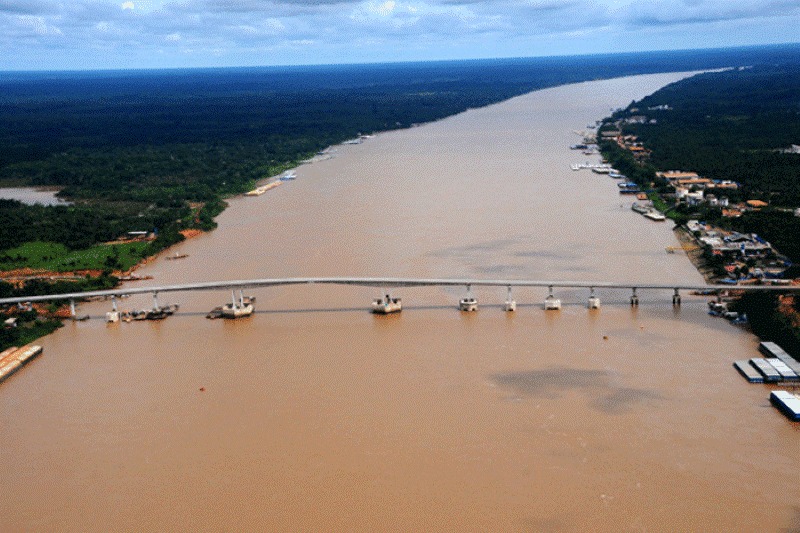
x=55, y=257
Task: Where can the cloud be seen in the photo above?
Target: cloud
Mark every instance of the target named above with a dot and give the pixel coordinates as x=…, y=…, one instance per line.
x=359, y=30
x=704, y=11
x=27, y=7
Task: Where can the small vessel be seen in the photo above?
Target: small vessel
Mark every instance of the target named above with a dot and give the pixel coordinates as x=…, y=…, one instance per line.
x=177, y=256
x=160, y=313
x=653, y=214
x=387, y=305
x=289, y=176
x=641, y=208
x=628, y=187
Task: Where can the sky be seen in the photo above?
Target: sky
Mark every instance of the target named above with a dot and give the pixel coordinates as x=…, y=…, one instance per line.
x=124, y=34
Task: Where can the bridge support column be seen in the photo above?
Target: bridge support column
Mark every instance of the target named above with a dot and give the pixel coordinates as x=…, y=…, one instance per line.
x=676, y=298
x=114, y=304
x=510, y=304
x=72, y=312
x=594, y=301
x=634, y=298
x=155, y=302
x=233, y=299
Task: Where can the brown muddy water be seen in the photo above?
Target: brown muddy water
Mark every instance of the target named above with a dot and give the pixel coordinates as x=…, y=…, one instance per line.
x=317, y=415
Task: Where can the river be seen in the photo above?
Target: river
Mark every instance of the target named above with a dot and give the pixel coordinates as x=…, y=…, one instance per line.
x=316, y=415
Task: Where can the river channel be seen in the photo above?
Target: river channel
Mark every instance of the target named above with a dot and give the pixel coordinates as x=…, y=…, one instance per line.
x=316, y=415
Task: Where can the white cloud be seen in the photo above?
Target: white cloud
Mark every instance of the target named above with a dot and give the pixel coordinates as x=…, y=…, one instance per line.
x=247, y=30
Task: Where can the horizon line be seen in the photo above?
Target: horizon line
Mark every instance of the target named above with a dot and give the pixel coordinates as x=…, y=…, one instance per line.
x=398, y=62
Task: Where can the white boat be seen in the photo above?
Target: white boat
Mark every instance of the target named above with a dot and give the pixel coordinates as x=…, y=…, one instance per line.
x=655, y=215
x=468, y=304
x=387, y=305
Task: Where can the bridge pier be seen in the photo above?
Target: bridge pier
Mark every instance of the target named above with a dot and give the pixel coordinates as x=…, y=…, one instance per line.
x=72, y=312
x=156, y=307
x=634, y=298
x=469, y=302
x=676, y=298
x=594, y=301
x=510, y=304
x=551, y=303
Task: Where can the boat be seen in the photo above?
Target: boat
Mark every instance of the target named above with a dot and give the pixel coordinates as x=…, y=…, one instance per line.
x=160, y=313
x=177, y=256
x=289, y=176
x=468, y=304
x=641, y=208
x=387, y=305
x=602, y=170
x=658, y=216
x=628, y=187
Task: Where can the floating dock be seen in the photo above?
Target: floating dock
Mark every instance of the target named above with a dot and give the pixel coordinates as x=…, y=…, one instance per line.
x=786, y=373
x=13, y=359
x=765, y=369
x=770, y=349
x=788, y=403
x=748, y=371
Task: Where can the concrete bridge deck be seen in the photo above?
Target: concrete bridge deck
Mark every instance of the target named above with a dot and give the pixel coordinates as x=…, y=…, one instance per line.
x=392, y=283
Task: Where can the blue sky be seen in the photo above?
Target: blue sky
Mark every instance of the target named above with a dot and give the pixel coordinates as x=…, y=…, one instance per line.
x=91, y=34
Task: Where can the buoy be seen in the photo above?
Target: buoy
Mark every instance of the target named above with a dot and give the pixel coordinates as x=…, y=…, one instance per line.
x=605, y=337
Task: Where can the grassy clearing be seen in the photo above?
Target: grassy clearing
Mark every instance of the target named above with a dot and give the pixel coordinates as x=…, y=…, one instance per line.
x=58, y=258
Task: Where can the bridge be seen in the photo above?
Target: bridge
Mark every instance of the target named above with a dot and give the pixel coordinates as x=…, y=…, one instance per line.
x=388, y=283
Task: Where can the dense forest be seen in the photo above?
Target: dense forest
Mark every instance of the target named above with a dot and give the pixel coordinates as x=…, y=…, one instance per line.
x=730, y=125
x=140, y=150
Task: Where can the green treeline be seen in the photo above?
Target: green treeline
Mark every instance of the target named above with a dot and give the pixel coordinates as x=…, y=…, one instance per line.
x=730, y=125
